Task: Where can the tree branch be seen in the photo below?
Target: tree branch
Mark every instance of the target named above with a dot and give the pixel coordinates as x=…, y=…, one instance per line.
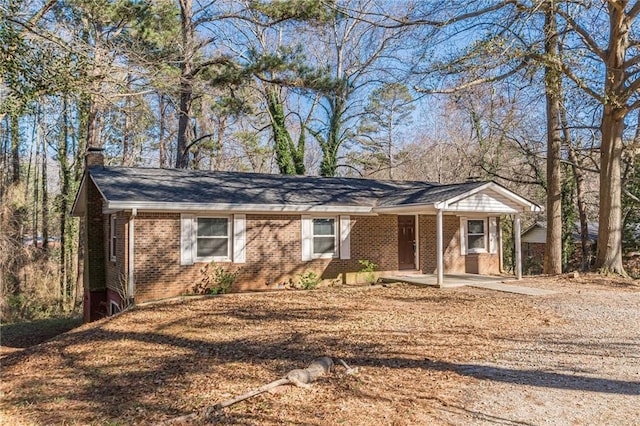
x=584, y=35
x=399, y=23
x=195, y=141
x=635, y=10
x=474, y=82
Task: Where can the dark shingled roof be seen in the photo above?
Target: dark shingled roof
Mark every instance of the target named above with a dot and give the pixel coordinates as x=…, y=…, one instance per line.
x=196, y=186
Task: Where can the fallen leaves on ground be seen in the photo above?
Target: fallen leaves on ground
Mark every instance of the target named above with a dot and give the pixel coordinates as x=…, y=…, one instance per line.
x=160, y=361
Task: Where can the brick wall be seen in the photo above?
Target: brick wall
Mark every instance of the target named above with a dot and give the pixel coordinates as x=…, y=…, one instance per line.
x=95, y=279
x=116, y=271
x=454, y=262
x=94, y=271
x=274, y=252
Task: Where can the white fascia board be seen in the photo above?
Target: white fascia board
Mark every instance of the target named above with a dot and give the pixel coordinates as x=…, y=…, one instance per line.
x=78, y=210
x=482, y=211
x=82, y=193
x=226, y=207
x=526, y=204
x=406, y=209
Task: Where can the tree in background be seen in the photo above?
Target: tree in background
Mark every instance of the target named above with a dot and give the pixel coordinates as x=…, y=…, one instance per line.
x=617, y=90
x=389, y=108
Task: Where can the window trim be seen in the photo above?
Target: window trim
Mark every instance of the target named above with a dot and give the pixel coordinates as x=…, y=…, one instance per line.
x=229, y=238
x=113, y=238
x=336, y=239
x=484, y=248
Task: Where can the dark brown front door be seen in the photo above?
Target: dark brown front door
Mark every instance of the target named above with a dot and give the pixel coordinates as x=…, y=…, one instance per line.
x=406, y=242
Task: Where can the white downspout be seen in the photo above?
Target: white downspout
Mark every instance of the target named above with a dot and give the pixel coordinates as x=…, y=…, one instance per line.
x=516, y=231
x=439, y=254
x=417, y=244
x=134, y=213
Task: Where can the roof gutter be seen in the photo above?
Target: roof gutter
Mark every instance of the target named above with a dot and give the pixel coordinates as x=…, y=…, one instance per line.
x=228, y=207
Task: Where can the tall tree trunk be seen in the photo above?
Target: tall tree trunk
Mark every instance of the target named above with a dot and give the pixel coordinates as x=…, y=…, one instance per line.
x=45, y=196
x=580, y=194
x=186, y=84
x=282, y=142
x=329, y=162
x=609, y=257
x=162, y=148
x=15, y=147
x=553, y=87
x=36, y=187
x=127, y=144
x=63, y=149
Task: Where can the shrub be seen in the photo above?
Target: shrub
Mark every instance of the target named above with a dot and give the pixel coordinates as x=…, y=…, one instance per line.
x=368, y=268
x=307, y=281
x=215, y=280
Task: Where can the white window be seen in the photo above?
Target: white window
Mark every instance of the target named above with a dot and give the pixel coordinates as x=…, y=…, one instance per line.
x=212, y=239
x=114, y=308
x=112, y=237
x=325, y=237
x=476, y=236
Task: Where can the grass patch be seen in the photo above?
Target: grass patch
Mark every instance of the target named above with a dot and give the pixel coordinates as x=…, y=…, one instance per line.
x=29, y=333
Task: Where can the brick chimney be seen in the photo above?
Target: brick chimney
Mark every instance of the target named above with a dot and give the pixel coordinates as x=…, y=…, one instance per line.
x=95, y=222
x=94, y=156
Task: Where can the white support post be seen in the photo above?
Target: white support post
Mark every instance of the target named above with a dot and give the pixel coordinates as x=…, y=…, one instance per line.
x=516, y=232
x=439, y=254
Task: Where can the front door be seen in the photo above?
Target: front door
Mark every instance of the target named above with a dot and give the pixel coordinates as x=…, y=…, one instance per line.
x=406, y=242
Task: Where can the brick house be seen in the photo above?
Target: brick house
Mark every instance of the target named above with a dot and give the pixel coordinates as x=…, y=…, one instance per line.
x=149, y=232
x=534, y=243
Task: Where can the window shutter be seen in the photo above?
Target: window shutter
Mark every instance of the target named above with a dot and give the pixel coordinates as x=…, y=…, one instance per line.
x=493, y=236
x=239, y=238
x=307, y=237
x=345, y=237
x=187, y=239
x=463, y=236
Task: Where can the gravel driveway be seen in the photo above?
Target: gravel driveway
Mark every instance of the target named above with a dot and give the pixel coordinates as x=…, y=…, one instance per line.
x=584, y=369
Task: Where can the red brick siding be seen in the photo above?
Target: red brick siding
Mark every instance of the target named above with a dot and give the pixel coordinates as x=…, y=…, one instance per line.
x=273, y=256
x=95, y=255
x=116, y=272
x=158, y=273
x=274, y=252
x=454, y=262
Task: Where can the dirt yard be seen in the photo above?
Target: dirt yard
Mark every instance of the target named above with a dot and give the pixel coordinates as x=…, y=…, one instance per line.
x=424, y=356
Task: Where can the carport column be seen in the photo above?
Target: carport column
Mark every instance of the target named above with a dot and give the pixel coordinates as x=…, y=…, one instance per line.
x=439, y=254
x=516, y=232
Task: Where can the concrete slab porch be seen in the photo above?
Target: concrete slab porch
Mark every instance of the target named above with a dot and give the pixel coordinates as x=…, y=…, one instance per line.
x=506, y=284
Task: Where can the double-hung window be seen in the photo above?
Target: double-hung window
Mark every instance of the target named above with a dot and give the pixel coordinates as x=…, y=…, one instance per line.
x=476, y=236
x=325, y=237
x=112, y=237
x=213, y=239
